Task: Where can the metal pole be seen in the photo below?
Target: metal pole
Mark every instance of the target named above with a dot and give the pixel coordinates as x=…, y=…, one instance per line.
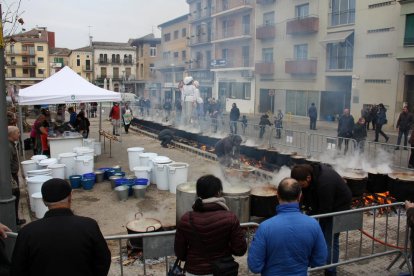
x=100, y=119
x=7, y=210
x=21, y=131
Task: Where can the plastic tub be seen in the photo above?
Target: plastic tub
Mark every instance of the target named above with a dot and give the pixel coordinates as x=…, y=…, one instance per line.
x=28, y=165
x=145, y=157
x=39, y=207
x=133, y=157
x=87, y=183
x=75, y=181
x=89, y=176
x=58, y=170
x=84, y=164
x=122, y=192
x=177, y=174
x=143, y=172
x=34, y=185
x=47, y=172
x=46, y=162
x=38, y=158
x=82, y=151
x=121, y=182
x=68, y=158
x=97, y=146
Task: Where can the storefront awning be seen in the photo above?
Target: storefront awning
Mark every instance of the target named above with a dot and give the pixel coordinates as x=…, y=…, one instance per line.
x=338, y=37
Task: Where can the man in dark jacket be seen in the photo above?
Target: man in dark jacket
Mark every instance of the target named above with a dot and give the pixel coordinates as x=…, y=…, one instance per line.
x=345, y=128
x=234, y=117
x=264, y=121
x=324, y=191
x=61, y=243
x=228, y=150
x=404, y=123
x=313, y=115
x=165, y=136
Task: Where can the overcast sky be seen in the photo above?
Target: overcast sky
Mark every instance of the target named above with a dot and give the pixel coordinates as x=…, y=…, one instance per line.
x=110, y=20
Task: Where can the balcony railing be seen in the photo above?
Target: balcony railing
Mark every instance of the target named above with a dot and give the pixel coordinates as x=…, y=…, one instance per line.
x=232, y=6
x=21, y=53
x=264, y=68
x=266, y=32
x=103, y=61
x=301, y=66
x=199, y=39
x=199, y=65
x=233, y=33
x=200, y=14
x=302, y=25
x=265, y=2
x=87, y=68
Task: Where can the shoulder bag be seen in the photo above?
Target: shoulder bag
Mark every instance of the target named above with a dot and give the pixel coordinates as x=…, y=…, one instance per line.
x=224, y=266
x=176, y=269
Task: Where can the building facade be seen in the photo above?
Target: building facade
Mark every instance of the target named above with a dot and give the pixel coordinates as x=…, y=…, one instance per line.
x=148, y=79
x=173, y=59
x=59, y=58
x=27, y=57
x=81, y=61
x=115, y=62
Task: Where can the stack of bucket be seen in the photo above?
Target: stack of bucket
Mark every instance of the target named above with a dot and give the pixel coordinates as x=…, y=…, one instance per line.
x=86, y=181
x=125, y=187
x=34, y=185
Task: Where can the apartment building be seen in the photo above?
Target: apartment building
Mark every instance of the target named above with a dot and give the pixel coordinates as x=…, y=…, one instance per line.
x=27, y=57
x=81, y=61
x=59, y=58
x=115, y=62
x=174, y=58
x=336, y=53
x=405, y=54
x=199, y=40
x=148, y=79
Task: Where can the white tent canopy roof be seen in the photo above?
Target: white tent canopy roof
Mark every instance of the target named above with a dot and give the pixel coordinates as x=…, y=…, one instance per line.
x=65, y=86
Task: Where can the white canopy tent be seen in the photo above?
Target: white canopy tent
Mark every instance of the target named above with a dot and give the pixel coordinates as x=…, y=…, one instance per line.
x=65, y=86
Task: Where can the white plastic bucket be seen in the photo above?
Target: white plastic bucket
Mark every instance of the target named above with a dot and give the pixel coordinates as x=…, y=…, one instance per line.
x=34, y=185
x=68, y=158
x=58, y=170
x=46, y=162
x=39, y=207
x=82, y=151
x=89, y=143
x=46, y=172
x=157, y=160
x=143, y=172
x=133, y=157
x=28, y=165
x=84, y=164
x=145, y=157
x=161, y=175
x=177, y=174
x=38, y=158
x=98, y=148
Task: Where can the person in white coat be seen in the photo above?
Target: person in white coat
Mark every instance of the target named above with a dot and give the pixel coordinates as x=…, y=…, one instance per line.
x=188, y=97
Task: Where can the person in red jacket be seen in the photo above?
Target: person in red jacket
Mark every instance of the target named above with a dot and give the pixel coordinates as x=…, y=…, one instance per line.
x=115, y=116
x=218, y=230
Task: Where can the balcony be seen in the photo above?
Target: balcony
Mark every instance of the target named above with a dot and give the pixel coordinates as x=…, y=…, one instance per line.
x=302, y=25
x=116, y=61
x=405, y=1
x=22, y=53
x=195, y=65
x=228, y=34
x=266, y=32
x=265, y=2
x=199, y=39
x=29, y=64
x=264, y=68
x=103, y=61
x=301, y=66
x=200, y=14
x=232, y=6
x=87, y=68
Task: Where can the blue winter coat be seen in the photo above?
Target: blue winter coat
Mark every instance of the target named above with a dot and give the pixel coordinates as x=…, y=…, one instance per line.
x=287, y=244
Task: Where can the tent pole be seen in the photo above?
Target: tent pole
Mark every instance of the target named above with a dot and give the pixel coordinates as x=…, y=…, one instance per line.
x=21, y=131
x=100, y=119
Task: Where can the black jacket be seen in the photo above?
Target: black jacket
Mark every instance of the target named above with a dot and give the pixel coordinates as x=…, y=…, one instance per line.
x=327, y=192
x=360, y=132
x=404, y=121
x=165, y=133
x=234, y=114
x=61, y=244
x=346, y=126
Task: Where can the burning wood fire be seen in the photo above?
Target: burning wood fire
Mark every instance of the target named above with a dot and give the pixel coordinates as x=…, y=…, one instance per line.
x=374, y=199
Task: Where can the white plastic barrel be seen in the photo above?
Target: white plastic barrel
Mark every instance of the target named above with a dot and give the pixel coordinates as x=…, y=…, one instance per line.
x=47, y=172
x=145, y=157
x=177, y=174
x=46, y=162
x=89, y=143
x=58, y=170
x=28, y=165
x=85, y=151
x=133, y=157
x=143, y=172
x=158, y=160
x=98, y=148
x=39, y=207
x=161, y=171
x=68, y=158
x=34, y=185
x=84, y=164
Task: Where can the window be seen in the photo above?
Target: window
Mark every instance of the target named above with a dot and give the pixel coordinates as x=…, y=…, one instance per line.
x=166, y=55
x=24, y=59
x=41, y=72
x=224, y=53
x=142, y=51
x=141, y=70
x=25, y=71
x=153, y=50
x=301, y=51
x=267, y=55
x=246, y=24
x=342, y=12
x=12, y=48
x=167, y=37
x=184, y=32
x=127, y=73
x=40, y=60
x=340, y=55
x=183, y=55
x=269, y=18
x=175, y=54
x=176, y=34
x=225, y=5
x=115, y=73
x=78, y=62
x=40, y=48
x=409, y=30
x=13, y=73
x=13, y=61
x=24, y=48
x=235, y=90
x=246, y=56
x=302, y=11
x=298, y=101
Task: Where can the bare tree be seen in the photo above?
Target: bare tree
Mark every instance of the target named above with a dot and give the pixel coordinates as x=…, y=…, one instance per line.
x=11, y=17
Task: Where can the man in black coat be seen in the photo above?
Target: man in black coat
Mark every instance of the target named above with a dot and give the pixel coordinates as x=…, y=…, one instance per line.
x=345, y=127
x=234, y=117
x=61, y=243
x=404, y=122
x=165, y=136
x=228, y=150
x=313, y=115
x=324, y=191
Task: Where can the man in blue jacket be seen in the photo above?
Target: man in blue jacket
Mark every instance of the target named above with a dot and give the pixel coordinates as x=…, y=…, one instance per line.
x=290, y=242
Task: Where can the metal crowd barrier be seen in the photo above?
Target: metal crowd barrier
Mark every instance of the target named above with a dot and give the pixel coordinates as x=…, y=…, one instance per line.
x=399, y=158
x=319, y=143
x=289, y=139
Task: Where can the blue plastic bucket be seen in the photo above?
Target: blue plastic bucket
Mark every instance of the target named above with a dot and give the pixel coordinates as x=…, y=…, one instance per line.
x=141, y=181
x=87, y=183
x=75, y=181
x=110, y=173
x=121, y=181
x=90, y=176
x=105, y=174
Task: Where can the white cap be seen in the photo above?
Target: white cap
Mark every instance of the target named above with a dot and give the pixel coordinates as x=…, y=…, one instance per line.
x=187, y=80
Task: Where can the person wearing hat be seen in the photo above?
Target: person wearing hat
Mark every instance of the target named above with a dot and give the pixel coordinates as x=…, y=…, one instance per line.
x=188, y=96
x=61, y=243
